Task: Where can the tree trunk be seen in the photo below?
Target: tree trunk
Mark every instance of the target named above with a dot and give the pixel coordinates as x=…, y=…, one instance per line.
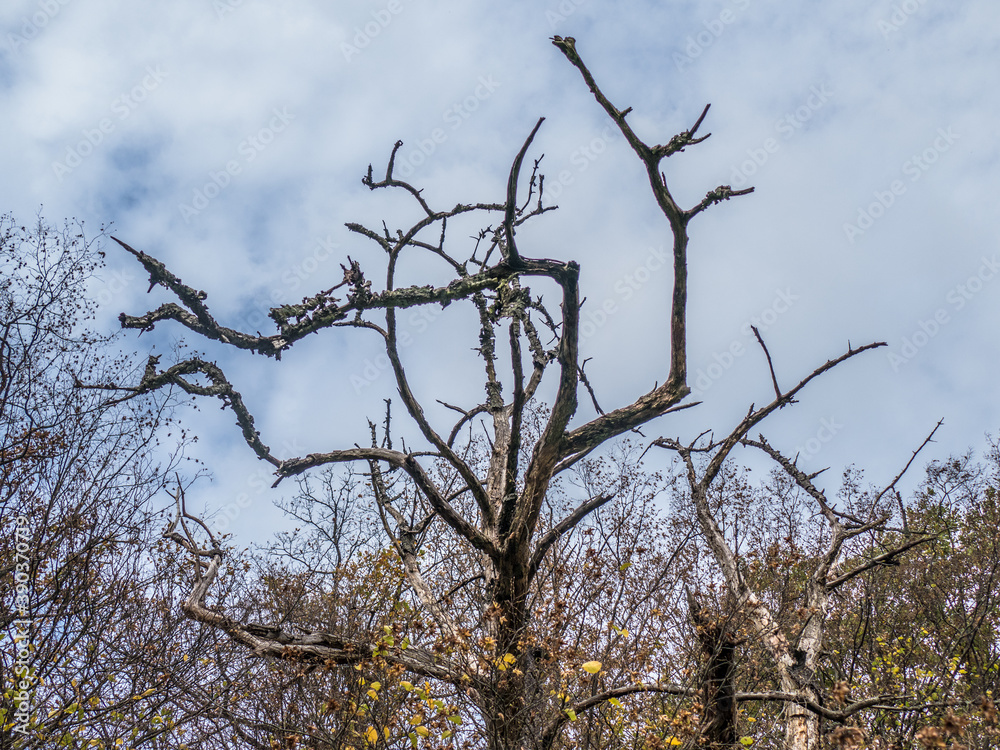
x=718, y=677
x=801, y=725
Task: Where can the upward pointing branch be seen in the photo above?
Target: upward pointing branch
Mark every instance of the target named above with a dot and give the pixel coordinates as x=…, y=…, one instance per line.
x=674, y=388
x=512, y=256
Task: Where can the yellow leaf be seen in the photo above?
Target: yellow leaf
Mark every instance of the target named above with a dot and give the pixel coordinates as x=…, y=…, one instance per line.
x=674, y=741
x=372, y=694
x=407, y=686
x=571, y=714
x=423, y=731
x=615, y=702
x=592, y=667
x=376, y=686
x=371, y=735
x=509, y=658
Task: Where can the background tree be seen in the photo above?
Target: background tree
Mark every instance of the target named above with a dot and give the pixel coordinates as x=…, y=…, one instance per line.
x=105, y=656
x=925, y=626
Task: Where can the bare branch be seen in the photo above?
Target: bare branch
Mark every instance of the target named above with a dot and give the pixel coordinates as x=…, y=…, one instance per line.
x=721, y=193
x=565, y=525
x=513, y=258
x=909, y=463
x=770, y=364
x=555, y=724
x=405, y=541
x=754, y=418
x=885, y=558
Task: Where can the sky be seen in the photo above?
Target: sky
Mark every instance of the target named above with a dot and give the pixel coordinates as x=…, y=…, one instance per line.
x=228, y=138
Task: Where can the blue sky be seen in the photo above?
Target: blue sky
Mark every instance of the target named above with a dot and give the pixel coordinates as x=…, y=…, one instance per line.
x=229, y=137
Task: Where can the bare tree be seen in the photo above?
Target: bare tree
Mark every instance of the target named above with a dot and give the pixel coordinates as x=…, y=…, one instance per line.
x=92, y=654
x=492, y=508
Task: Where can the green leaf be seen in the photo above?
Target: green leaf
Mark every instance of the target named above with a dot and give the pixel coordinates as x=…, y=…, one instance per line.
x=746, y=741
x=571, y=714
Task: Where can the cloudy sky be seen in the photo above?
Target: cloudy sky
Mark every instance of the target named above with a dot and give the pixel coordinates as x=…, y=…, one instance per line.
x=229, y=137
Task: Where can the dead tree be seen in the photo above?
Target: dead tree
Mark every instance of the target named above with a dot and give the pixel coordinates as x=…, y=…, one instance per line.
x=496, y=512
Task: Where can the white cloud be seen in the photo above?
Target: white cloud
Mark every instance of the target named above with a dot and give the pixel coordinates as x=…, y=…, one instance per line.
x=229, y=68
